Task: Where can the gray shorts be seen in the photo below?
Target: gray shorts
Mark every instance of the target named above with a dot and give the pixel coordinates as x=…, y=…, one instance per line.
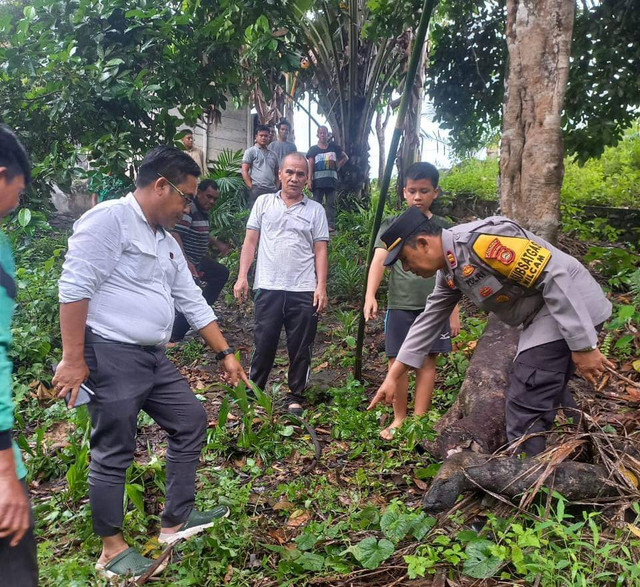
x=396, y=327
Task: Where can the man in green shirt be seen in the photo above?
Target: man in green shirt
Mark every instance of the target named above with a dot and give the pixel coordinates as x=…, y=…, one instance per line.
x=18, y=562
x=407, y=297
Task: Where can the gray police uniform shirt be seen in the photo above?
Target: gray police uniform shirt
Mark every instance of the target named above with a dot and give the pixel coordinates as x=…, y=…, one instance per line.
x=521, y=278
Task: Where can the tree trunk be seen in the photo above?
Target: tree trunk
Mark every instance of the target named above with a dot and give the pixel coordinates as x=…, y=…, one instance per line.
x=476, y=419
x=539, y=43
x=410, y=147
x=381, y=127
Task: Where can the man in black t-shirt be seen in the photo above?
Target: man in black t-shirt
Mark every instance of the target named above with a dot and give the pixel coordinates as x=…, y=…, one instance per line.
x=324, y=161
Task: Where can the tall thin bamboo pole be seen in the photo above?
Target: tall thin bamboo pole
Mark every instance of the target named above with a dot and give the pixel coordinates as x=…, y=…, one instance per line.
x=421, y=33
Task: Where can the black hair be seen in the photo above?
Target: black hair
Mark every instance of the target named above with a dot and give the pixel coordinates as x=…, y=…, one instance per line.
x=205, y=184
x=13, y=155
x=284, y=122
x=168, y=162
x=262, y=128
x=427, y=228
x=187, y=132
x=423, y=170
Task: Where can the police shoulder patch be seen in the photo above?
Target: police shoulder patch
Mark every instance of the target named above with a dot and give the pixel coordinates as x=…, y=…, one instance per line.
x=519, y=259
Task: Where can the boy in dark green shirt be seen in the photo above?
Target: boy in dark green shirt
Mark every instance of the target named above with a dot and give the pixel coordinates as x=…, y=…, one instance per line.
x=18, y=562
x=407, y=297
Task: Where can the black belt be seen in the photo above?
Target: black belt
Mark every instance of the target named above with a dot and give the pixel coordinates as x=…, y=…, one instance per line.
x=91, y=337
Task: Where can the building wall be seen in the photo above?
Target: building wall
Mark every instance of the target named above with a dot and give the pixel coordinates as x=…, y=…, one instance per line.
x=233, y=132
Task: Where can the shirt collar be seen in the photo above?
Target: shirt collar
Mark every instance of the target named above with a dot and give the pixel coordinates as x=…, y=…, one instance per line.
x=131, y=200
x=304, y=200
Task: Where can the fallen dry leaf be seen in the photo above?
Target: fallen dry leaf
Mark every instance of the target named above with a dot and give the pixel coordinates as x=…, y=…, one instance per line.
x=634, y=529
x=283, y=505
x=42, y=392
x=320, y=367
x=344, y=500
x=298, y=518
x=278, y=535
x=420, y=484
x=229, y=575
x=633, y=394
x=630, y=477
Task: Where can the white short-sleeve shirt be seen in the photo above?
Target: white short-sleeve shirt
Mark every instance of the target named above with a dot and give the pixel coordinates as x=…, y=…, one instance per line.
x=286, y=257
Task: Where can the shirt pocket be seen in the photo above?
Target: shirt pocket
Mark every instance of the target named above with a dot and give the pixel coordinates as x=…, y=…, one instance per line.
x=141, y=261
x=299, y=226
x=170, y=268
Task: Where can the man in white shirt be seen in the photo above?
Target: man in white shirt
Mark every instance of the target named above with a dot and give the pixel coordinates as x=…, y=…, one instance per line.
x=291, y=234
x=123, y=277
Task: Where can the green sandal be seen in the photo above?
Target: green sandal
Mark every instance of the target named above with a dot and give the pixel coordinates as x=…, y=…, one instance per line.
x=129, y=563
x=196, y=523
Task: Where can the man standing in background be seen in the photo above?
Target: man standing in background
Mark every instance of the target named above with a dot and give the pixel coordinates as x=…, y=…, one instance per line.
x=18, y=559
x=192, y=234
x=260, y=166
x=291, y=235
x=282, y=146
x=325, y=159
x=196, y=154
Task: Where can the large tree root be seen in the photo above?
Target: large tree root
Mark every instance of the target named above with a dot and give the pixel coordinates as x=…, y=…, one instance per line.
x=510, y=477
x=474, y=428
x=476, y=419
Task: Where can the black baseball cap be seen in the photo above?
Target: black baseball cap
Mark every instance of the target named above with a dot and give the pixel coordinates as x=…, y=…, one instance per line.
x=408, y=223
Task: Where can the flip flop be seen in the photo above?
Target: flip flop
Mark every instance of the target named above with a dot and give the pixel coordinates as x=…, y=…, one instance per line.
x=196, y=523
x=295, y=409
x=129, y=563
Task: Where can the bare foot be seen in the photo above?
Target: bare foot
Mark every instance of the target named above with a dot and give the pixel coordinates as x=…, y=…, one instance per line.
x=106, y=556
x=389, y=431
x=172, y=529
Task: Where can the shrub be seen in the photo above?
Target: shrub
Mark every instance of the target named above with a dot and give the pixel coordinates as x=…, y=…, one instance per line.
x=473, y=176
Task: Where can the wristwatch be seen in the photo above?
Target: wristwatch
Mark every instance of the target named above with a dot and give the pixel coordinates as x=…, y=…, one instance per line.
x=222, y=354
x=586, y=349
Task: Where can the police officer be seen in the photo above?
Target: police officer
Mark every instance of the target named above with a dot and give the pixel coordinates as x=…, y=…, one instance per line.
x=524, y=280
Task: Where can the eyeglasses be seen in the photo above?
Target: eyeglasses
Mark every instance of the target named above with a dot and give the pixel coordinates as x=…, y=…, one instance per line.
x=187, y=198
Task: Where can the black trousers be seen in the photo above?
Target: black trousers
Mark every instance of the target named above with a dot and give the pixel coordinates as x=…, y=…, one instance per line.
x=215, y=276
x=537, y=388
x=126, y=379
x=19, y=564
x=329, y=196
x=294, y=311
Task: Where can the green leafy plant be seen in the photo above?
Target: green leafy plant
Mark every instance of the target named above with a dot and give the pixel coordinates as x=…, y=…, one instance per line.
x=616, y=264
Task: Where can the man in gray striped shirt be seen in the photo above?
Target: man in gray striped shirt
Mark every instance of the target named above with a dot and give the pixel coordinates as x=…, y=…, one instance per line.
x=192, y=234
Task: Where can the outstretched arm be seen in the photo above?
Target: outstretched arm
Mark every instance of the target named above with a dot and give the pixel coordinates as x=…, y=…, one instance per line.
x=241, y=288
x=376, y=273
